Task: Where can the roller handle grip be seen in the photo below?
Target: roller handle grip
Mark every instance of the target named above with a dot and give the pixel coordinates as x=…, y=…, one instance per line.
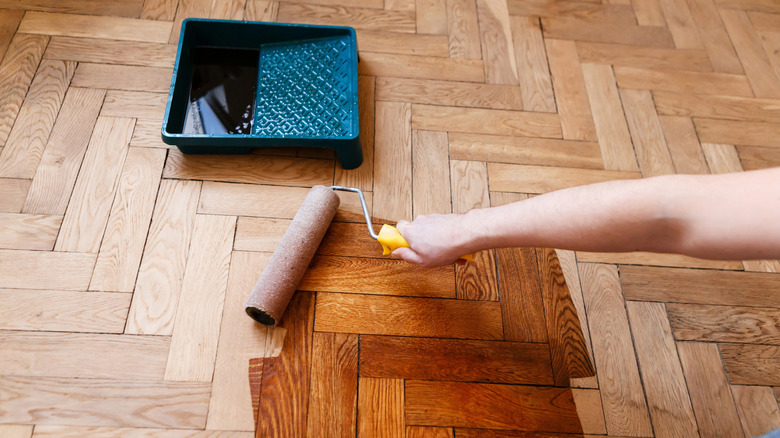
x=390, y=239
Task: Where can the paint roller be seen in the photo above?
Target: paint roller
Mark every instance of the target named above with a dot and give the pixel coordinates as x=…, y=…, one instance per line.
x=273, y=291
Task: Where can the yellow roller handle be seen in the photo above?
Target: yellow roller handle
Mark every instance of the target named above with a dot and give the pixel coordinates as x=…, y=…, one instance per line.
x=390, y=239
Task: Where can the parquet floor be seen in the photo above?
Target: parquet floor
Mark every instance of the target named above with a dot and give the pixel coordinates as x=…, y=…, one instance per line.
x=124, y=264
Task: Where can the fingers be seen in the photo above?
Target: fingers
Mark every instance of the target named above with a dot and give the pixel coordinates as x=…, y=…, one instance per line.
x=401, y=225
x=408, y=255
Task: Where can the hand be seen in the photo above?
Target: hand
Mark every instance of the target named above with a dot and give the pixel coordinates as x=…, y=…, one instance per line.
x=435, y=240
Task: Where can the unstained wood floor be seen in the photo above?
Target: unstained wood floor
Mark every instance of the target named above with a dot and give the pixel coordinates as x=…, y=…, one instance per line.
x=124, y=264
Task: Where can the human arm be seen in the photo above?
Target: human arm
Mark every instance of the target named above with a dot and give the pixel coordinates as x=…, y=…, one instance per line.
x=726, y=216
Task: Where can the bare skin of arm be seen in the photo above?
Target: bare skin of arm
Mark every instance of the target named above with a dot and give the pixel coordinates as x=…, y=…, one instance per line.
x=726, y=217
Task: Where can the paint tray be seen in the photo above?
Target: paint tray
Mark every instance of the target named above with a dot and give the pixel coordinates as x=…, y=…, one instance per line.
x=240, y=85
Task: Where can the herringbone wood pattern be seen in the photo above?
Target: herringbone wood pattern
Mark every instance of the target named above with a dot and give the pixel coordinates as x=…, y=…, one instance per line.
x=124, y=264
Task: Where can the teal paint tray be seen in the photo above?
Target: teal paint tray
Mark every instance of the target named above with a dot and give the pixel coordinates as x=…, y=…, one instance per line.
x=240, y=85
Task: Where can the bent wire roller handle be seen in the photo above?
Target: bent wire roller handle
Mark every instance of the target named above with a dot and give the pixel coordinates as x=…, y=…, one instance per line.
x=389, y=236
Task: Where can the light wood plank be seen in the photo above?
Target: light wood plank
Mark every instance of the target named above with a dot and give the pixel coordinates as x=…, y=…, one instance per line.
x=525, y=150
x=159, y=10
x=404, y=43
x=255, y=169
x=357, y=17
x=28, y=231
x=686, y=151
x=420, y=67
x=262, y=234
x=652, y=152
x=532, y=67
x=110, y=51
x=134, y=104
x=541, y=179
x=228, y=10
x=46, y=431
x=665, y=388
x=449, y=93
x=572, y=28
x=497, y=44
x=609, y=119
x=722, y=158
x=27, y=139
x=431, y=175
x=393, y=161
x=334, y=385
x=262, y=10
x=758, y=409
x=157, y=289
x=463, y=29
x=147, y=135
x=195, y=331
x=9, y=21
x=188, y=9
x=16, y=430
x=377, y=276
x=716, y=413
x=753, y=289
x=63, y=311
x=748, y=364
x=570, y=93
x=429, y=432
x=625, y=410
x=83, y=355
x=644, y=57
x=683, y=82
x=714, y=37
x=240, y=339
x=763, y=78
x=122, y=77
x=16, y=73
x=431, y=17
x=46, y=270
x=725, y=323
x=655, y=259
x=128, y=223
x=88, y=26
x=127, y=8
x=737, y=132
x=648, y=12
x=596, y=11
x=13, y=193
x=718, y=107
x=485, y=121
x=405, y=316
x=97, y=182
x=381, y=407
x=59, y=166
x=469, y=188
x=363, y=176
x=104, y=402
x=681, y=24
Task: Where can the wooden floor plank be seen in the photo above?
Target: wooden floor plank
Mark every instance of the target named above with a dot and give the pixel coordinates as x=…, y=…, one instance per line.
x=736, y=132
x=463, y=29
x=122, y=77
x=680, y=81
x=381, y=408
x=541, y=179
x=665, y=388
x=485, y=406
x=609, y=119
x=392, y=161
x=485, y=121
x=28, y=231
x=134, y=104
x=377, y=276
x=686, y=150
x=431, y=17
x=16, y=430
x=284, y=400
x=95, y=187
x=9, y=20
x=571, y=96
x=13, y=192
x=714, y=37
x=713, y=404
x=104, y=402
x=762, y=77
x=357, y=17
x=753, y=158
x=430, y=155
x=420, y=67
x=722, y=158
x=162, y=268
x=80, y=355
x=59, y=166
x=652, y=152
x=16, y=74
x=27, y=139
x=87, y=26
x=625, y=410
x=726, y=288
x=571, y=28
x=111, y=51
x=693, y=322
x=455, y=360
x=195, y=333
x=405, y=316
x=648, y=12
x=62, y=311
x=758, y=410
x=449, y=93
x=532, y=66
x=748, y=364
x=718, y=107
x=655, y=259
x=46, y=270
x=128, y=224
x=643, y=57
x=681, y=25
x=497, y=44
x=334, y=385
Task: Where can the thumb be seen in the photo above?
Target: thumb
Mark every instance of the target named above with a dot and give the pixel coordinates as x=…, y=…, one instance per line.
x=408, y=255
x=401, y=225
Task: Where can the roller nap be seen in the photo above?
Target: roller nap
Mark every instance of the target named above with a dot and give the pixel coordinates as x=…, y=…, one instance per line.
x=285, y=270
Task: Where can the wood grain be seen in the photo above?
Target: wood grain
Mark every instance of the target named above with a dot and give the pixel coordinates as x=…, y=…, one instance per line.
x=481, y=405
x=522, y=306
x=463, y=29
x=420, y=67
x=404, y=316
x=719, y=107
x=713, y=404
x=13, y=192
x=449, y=93
x=625, y=409
x=134, y=104
x=532, y=68
x=753, y=158
x=27, y=139
x=722, y=158
x=122, y=77
x=747, y=43
x=10, y=21
x=575, y=28
x=485, y=121
x=46, y=270
x=392, y=161
x=680, y=81
x=693, y=322
x=120, y=256
x=758, y=410
x=377, y=276
x=686, y=151
x=497, y=43
x=108, y=432
x=643, y=57
x=714, y=37
x=751, y=364
x=59, y=166
x=195, y=334
x=16, y=72
x=726, y=288
x=570, y=93
x=162, y=268
x=334, y=383
x=430, y=153
x=28, y=231
x=541, y=179
x=652, y=152
x=357, y=17
x=111, y=51
x=455, y=360
x=87, y=26
x=736, y=132
x=381, y=407
x=284, y=402
x=655, y=259
x=95, y=187
x=431, y=17
x=667, y=395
